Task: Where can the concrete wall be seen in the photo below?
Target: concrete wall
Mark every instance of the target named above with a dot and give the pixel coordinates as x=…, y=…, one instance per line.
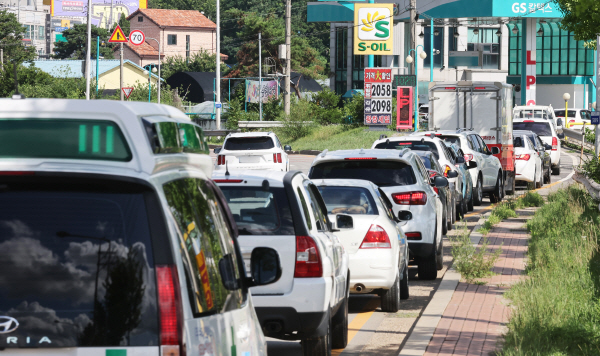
x=553, y=93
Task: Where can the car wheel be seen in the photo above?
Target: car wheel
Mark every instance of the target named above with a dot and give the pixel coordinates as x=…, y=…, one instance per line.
x=404, y=292
x=547, y=176
x=496, y=195
x=320, y=345
x=445, y=223
x=462, y=209
x=556, y=170
x=427, y=267
x=453, y=213
x=470, y=201
x=511, y=191
x=339, y=332
x=540, y=182
x=390, y=298
x=477, y=193
x=439, y=257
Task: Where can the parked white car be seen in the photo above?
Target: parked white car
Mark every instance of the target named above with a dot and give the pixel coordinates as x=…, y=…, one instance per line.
x=528, y=163
x=113, y=238
x=286, y=212
x=252, y=150
x=537, y=112
x=576, y=118
x=401, y=175
x=548, y=133
x=376, y=246
x=485, y=168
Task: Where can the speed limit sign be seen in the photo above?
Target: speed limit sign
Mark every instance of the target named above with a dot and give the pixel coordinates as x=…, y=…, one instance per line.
x=136, y=37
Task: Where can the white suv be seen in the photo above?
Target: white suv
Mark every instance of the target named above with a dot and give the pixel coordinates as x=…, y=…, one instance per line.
x=252, y=150
x=285, y=211
x=547, y=131
x=113, y=238
x=485, y=168
x=405, y=181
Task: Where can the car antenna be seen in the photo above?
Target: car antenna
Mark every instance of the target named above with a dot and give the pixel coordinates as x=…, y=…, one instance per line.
x=226, y=170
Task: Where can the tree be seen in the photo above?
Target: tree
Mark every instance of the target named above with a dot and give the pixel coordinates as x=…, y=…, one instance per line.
x=582, y=17
x=124, y=23
x=209, y=7
x=11, y=39
x=198, y=62
x=76, y=43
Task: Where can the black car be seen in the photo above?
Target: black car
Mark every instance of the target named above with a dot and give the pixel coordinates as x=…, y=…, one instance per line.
x=543, y=150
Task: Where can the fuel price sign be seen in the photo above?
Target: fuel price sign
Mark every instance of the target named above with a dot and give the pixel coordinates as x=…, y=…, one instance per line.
x=378, y=96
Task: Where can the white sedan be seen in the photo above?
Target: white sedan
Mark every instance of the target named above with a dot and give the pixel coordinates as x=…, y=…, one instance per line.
x=376, y=246
x=528, y=164
x=252, y=150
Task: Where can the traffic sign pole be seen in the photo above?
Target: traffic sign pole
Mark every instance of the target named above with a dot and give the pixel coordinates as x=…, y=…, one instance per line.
x=597, y=143
x=121, y=70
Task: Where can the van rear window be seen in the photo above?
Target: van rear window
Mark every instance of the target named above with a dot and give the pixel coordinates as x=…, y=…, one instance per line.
x=540, y=128
x=63, y=139
x=77, y=266
x=382, y=173
x=249, y=143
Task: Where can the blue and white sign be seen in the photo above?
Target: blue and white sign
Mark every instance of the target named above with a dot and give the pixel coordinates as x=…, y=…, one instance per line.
x=525, y=8
x=60, y=29
x=595, y=117
x=218, y=105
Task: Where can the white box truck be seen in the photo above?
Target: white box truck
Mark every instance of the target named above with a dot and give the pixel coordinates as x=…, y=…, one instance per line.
x=485, y=108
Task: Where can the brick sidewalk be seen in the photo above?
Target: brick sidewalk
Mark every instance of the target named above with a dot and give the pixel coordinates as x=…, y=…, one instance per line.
x=474, y=320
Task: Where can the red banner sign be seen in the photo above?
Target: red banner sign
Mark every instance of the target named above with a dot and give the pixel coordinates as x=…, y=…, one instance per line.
x=404, y=108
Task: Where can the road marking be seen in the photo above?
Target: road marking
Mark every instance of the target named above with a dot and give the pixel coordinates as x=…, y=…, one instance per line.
x=358, y=322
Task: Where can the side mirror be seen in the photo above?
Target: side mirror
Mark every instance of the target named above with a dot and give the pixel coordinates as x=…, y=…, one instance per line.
x=265, y=266
x=217, y=150
x=440, y=182
x=495, y=150
x=547, y=147
x=472, y=164
x=287, y=148
x=344, y=221
x=561, y=135
x=453, y=174
x=226, y=270
x=559, y=122
x=404, y=215
x=460, y=160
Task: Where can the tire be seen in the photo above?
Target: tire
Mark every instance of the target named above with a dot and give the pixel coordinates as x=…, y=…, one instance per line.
x=453, y=213
x=445, y=220
x=390, y=298
x=449, y=219
x=477, y=193
x=547, y=177
x=339, y=331
x=439, y=257
x=512, y=188
x=556, y=170
x=540, y=182
x=470, y=201
x=496, y=195
x=462, y=209
x=320, y=345
x=427, y=267
x=404, y=292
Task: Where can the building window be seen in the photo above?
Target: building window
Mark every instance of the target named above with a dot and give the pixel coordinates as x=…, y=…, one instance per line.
x=172, y=39
x=140, y=18
x=438, y=44
x=485, y=41
x=41, y=32
x=452, y=41
x=341, y=59
x=514, y=50
x=187, y=47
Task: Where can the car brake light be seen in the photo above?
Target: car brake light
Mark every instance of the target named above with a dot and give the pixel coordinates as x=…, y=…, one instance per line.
x=308, y=261
x=468, y=157
x=169, y=308
x=446, y=170
x=410, y=198
x=358, y=158
x=228, y=180
x=524, y=157
x=479, y=88
x=376, y=237
x=528, y=121
x=413, y=235
x=450, y=88
x=220, y=160
x=405, y=143
x=554, y=144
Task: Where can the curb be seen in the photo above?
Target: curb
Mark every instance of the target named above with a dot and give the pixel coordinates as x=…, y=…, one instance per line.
x=422, y=333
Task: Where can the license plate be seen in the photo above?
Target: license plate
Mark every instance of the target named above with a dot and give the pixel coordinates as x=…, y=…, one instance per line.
x=249, y=159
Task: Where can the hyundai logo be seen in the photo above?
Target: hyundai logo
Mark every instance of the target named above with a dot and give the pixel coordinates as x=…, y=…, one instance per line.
x=8, y=324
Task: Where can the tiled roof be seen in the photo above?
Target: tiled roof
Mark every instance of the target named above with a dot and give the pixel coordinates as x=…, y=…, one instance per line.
x=176, y=18
x=147, y=50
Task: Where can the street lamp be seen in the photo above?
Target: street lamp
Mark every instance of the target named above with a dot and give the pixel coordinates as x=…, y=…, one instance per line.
x=566, y=97
x=150, y=68
x=409, y=60
x=158, y=43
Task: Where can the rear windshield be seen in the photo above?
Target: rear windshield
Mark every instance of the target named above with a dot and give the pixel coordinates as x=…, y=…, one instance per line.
x=518, y=142
x=532, y=114
x=413, y=145
x=348, y=200
x=540, y=128
x=62, y=139
x=561, y=113
x=382, y=173
x=450, y=139
x=77, y=266
x=426, y=161
x=260, y=212
x=249, y=143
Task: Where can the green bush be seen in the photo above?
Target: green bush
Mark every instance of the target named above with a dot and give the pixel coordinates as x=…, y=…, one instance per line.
x=300, y=123
x=326, y=109
x=591, y=168
x=590, y=135
x=472, y=262
x=530, y=199
x=354, y=112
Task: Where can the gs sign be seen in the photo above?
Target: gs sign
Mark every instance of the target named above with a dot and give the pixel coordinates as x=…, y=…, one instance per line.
x=374, y=24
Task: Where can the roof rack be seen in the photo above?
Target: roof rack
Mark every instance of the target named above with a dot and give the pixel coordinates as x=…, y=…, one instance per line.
x=324, y=152
x=404, y=151
x=382, y=136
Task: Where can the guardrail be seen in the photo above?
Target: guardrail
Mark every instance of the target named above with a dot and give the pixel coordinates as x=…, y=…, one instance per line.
x=218, y=132
x=577, y=135
x=590, y=185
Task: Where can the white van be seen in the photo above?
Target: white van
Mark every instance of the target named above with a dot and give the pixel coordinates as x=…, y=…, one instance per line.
x=114, y=240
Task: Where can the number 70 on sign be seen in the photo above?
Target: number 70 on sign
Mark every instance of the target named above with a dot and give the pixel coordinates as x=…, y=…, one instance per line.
x=137, y=37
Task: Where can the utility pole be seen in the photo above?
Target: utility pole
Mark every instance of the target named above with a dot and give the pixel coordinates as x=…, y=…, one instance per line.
x=597, y=143
x=89, y=50
x=1, y=58
x=110, y=18
x=121, y=70
x=159, y=81
x=413, y=31
x=260, y=74
x=288, y=57
x=218, y=69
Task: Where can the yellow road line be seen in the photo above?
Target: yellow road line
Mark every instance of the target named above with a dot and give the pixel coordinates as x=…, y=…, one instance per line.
x=357, y=323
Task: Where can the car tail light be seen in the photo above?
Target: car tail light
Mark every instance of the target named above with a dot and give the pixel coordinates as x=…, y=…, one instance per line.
x=308, y=261
x=410, y=198
x=220, y=160
x=468, y=157
x=169, y=309
x=450, y=88
x=479, y=88
x=554, y=144
x=358, y=158
x=446, y=170
x=279, y=158
x=228, y=180
x=405, y=143
x=376, y=237
x=413, y=235
x=524, y=157
x=528, y=121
